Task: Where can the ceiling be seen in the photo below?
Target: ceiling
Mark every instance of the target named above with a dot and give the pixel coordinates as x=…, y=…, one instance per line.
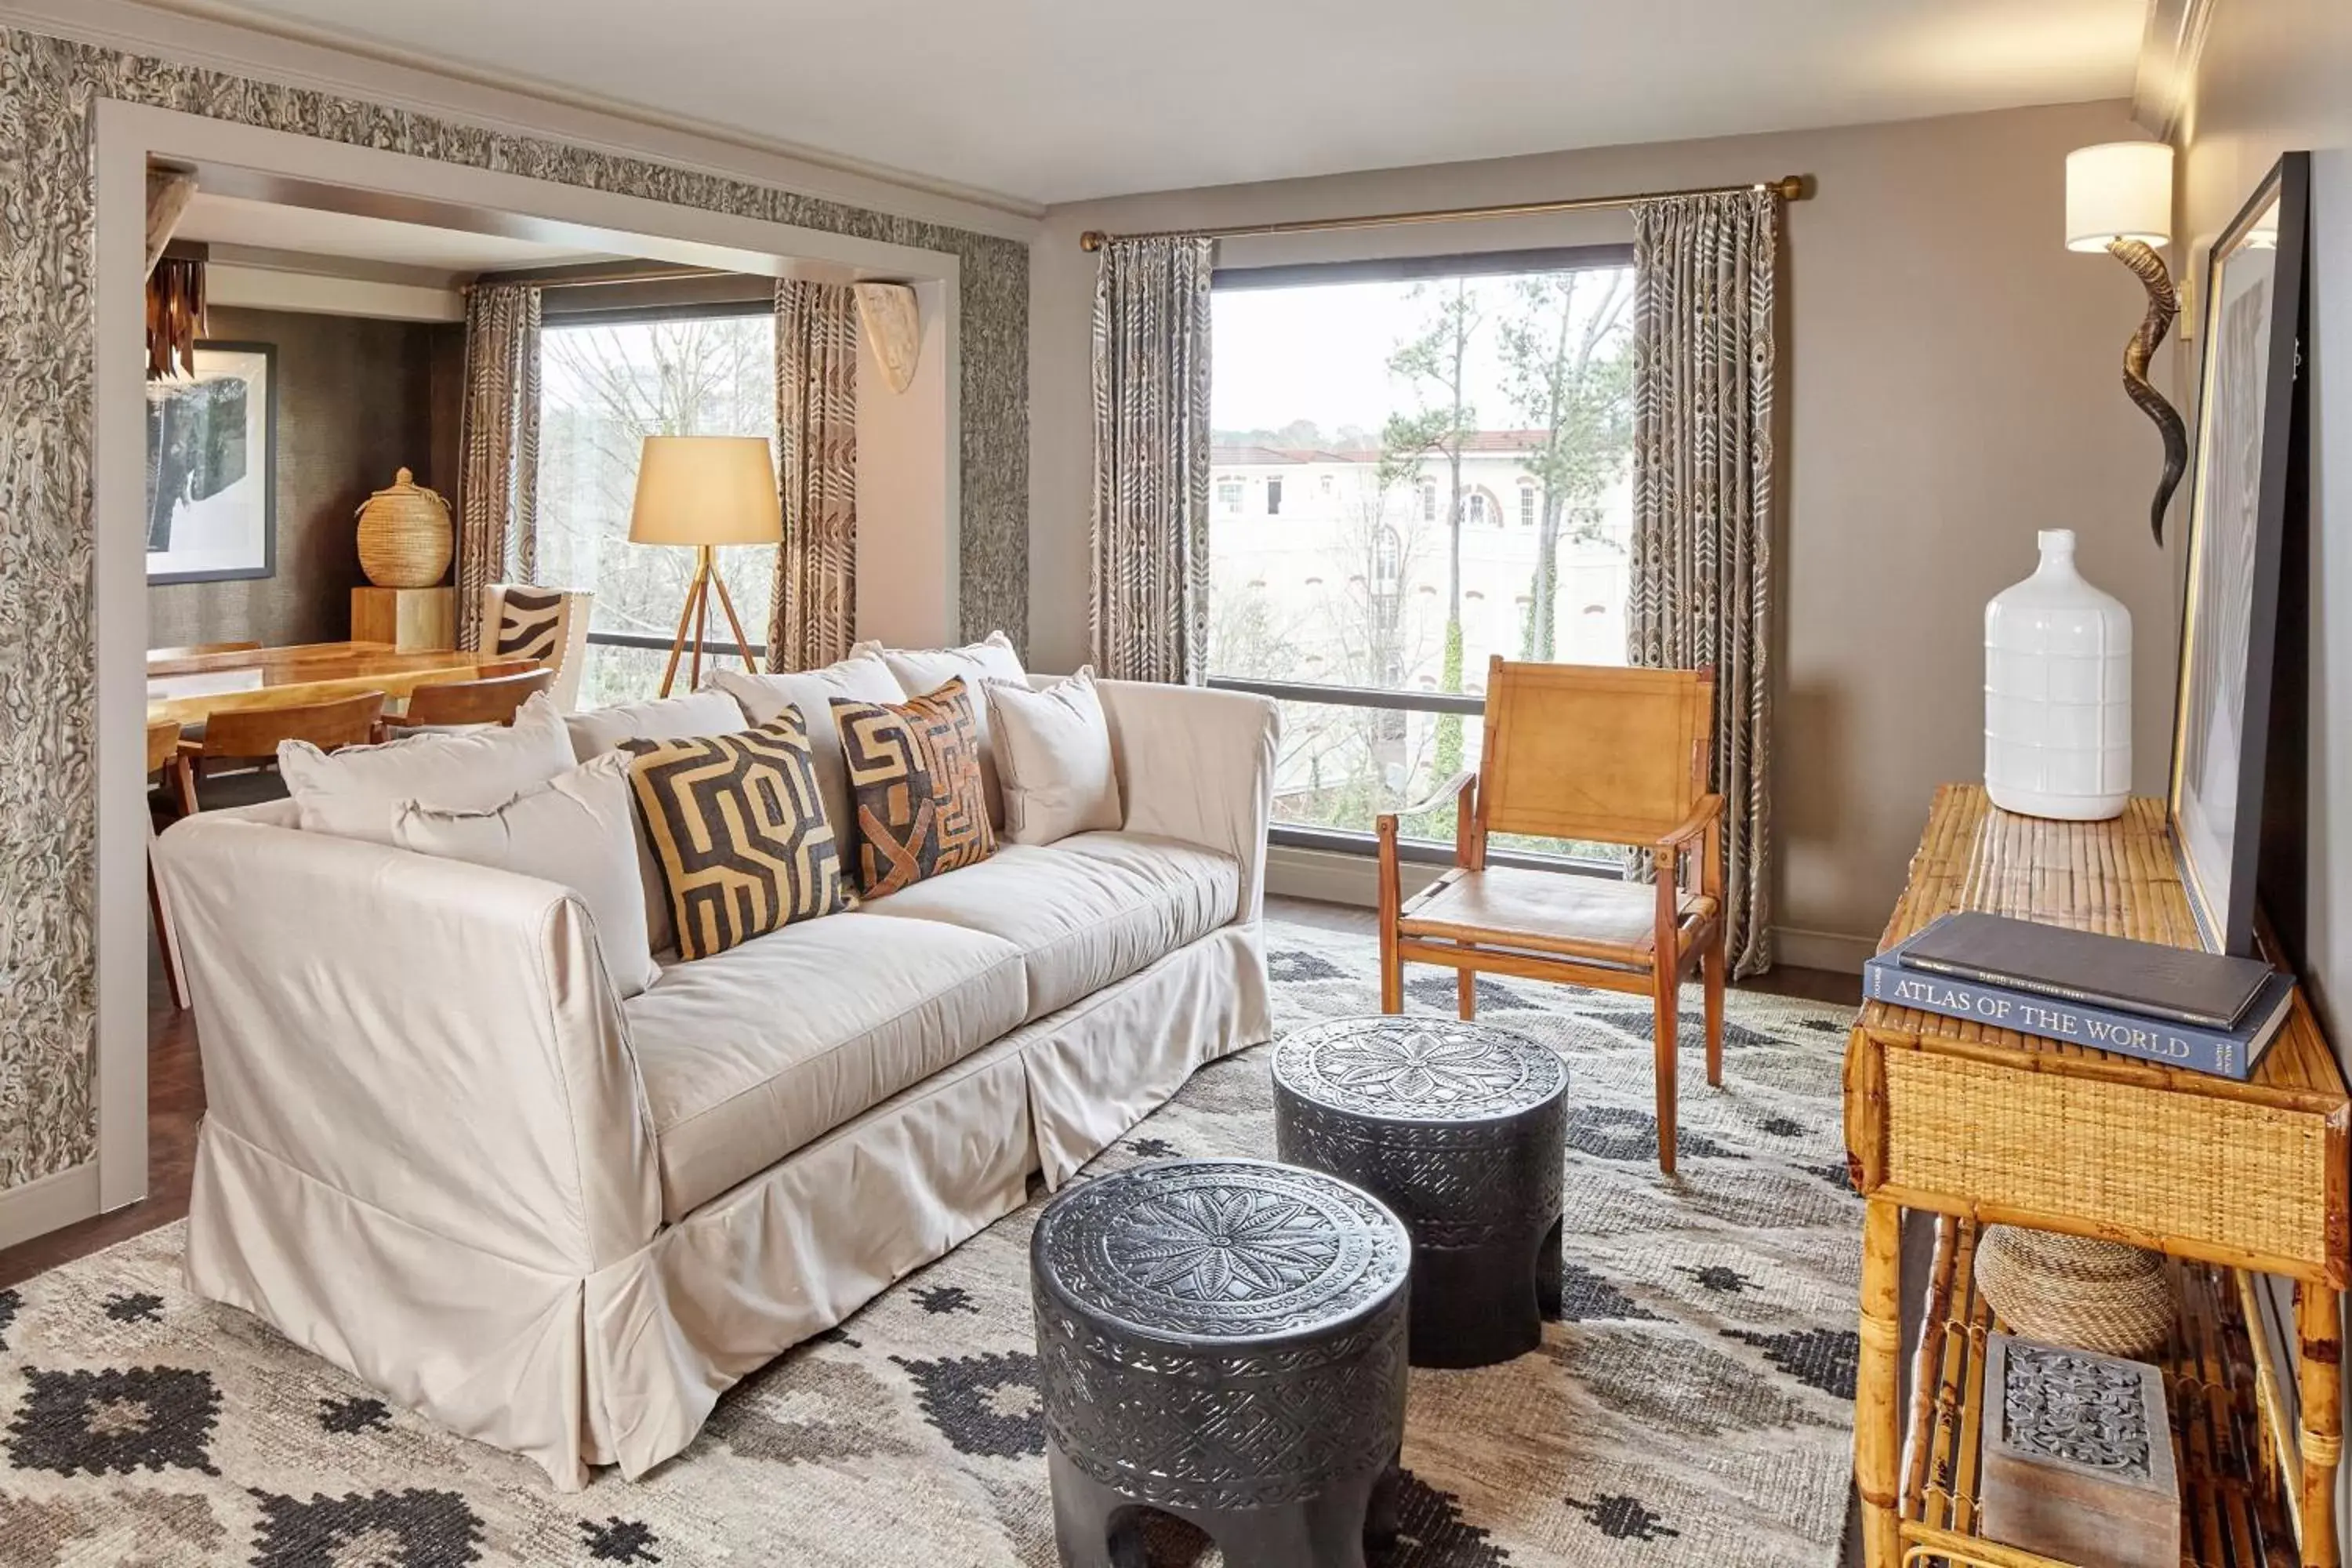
x=1055, y=100
x=381, y=242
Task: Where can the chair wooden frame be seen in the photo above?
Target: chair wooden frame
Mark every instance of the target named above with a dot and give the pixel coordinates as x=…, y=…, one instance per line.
x=1620, y=757
x=252, y=734
x=493, y=700
x=162, y=752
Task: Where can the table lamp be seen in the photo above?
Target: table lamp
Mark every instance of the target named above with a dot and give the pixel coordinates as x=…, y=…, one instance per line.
x=706, y=491
x=2120, y=200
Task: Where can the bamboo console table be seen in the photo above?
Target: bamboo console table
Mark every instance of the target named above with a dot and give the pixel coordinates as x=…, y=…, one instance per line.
x=1994, y=1126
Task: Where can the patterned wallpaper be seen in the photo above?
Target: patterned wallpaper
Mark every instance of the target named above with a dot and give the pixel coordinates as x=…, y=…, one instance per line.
x=47, y=820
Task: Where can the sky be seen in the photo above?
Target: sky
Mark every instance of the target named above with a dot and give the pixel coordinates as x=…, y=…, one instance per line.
x=1321, y=353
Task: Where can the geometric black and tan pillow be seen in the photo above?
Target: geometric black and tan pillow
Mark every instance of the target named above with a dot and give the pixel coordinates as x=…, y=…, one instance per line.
x=528, y=620
x=737, y=823
x=914, y=769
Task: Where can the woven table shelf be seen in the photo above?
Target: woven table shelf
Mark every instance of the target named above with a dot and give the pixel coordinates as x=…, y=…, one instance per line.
x=2232, y=1515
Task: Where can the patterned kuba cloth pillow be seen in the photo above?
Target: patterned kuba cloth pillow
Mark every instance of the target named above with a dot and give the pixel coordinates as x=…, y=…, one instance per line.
x=914, y=769
x=737, y=824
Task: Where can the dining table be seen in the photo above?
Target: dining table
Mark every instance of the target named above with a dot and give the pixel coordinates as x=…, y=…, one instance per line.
x=185, y=688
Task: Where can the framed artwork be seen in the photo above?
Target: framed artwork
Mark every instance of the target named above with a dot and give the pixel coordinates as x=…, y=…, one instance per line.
x=212, y=471
x=2237, y=521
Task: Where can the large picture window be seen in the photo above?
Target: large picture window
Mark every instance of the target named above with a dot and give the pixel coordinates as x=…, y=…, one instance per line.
x=604, y=386
x=1390, y=409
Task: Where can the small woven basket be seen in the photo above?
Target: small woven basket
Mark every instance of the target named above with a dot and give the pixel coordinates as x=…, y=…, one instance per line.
x=404, y=535
x=2093, y=1295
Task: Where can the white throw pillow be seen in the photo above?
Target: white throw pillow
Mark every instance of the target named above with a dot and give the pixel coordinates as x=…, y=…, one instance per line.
x=698, y=713
x=578, y=828
x=1053, y=754
x=599, y=731
x=353, y=792
x=924, y=670
x=861, y=678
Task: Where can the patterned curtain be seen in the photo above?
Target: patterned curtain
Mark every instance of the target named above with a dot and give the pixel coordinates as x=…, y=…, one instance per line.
x=813, y=615
x=498, y=491
x=1703, y=461
x=1149, y=614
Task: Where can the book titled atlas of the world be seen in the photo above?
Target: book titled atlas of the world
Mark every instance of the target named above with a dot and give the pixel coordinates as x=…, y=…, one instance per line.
x=1894, y=977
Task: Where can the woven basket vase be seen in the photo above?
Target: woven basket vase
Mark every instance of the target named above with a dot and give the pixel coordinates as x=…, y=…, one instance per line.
x=405, y=538
x=2073, y=1291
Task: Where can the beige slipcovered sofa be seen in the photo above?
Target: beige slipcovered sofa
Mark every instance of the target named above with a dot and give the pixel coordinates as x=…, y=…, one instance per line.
x=441, y=1152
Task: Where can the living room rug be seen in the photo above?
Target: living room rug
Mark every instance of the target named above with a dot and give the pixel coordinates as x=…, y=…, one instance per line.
x=1695, y=1408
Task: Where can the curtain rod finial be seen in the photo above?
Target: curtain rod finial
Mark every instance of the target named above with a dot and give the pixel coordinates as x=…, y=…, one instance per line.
x=1792, y=187
x=1092, y=239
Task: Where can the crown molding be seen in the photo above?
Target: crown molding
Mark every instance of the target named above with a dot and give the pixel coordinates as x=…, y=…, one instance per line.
x=225, y=36
x=2168, y=52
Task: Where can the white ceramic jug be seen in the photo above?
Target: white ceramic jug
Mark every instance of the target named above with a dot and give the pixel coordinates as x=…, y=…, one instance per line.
x=2058, y=693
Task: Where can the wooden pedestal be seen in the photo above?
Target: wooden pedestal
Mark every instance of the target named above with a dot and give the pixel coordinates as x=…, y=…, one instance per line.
x=409, y=619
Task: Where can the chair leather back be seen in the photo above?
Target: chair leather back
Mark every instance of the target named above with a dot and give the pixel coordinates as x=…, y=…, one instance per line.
x=493, y=700
x=1592, y=752
x=255, y=732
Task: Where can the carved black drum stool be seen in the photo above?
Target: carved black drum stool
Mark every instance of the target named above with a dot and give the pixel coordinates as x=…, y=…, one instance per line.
x=1222, y=1340
x=1461, y=1129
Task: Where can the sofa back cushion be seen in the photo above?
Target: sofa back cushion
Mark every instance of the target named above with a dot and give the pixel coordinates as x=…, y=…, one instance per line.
x=354, y=792
x=603, y=729
x=739, y=832
x=1052, y=758
x=578, y=830
x=922, y=670
x=914, y=771
x=862, y=678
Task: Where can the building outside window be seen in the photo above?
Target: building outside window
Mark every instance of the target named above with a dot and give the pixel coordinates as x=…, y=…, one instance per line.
x=604, y=388
x=1229, y=497
x=1356, y=590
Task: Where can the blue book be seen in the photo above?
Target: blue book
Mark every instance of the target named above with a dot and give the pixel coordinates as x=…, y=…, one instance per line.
x=2225, y=1053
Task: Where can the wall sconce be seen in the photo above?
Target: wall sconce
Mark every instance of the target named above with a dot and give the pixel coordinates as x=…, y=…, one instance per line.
x=2120, y=200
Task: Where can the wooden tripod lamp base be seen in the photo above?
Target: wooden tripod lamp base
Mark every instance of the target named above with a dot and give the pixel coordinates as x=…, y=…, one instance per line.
x=706, y=491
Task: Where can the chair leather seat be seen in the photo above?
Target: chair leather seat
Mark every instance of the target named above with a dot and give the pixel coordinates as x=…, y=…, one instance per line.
x=1550, y=911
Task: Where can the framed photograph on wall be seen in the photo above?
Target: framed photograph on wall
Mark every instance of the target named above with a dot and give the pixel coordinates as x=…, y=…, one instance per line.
x=2237, y=521
x=212, y=471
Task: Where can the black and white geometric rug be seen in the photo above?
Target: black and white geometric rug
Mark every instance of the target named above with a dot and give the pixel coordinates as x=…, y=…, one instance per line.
x=1694, y=1409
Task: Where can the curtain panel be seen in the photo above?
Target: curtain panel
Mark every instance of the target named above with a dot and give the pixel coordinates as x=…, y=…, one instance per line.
x=1149, y=616
x=497, y=487
x=1701, y=593
x=813, y=614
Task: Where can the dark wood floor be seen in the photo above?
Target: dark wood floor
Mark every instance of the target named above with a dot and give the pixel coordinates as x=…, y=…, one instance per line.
x=176, y=1099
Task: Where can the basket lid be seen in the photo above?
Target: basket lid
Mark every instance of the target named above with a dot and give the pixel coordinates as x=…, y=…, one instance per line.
x=403, y=489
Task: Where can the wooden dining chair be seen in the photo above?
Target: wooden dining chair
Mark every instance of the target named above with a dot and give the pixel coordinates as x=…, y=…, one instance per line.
x=162, y=748
x=494, y=700
x=198, y=649
x=1583, y=753
x=251, y=735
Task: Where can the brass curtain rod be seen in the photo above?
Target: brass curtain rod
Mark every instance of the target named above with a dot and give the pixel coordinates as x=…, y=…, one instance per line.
x=1792, y=188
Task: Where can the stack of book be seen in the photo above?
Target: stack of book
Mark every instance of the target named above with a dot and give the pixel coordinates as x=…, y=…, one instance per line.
x=2206, y=1012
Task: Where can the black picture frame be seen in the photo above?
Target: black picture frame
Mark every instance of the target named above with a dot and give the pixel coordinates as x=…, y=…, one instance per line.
x=2239, y=494
x=180, y=433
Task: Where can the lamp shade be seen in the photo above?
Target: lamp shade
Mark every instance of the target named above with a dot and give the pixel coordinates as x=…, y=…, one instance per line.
x=706, y=490
x=2118, y=190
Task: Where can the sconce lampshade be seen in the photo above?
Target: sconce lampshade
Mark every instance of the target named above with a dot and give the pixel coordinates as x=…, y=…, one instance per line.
x=2118, y=190
x=706, y=490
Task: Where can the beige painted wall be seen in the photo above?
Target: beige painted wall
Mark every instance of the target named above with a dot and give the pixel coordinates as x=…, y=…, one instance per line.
x=1951, y=386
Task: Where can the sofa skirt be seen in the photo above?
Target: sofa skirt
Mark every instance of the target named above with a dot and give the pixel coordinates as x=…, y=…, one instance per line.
x=623, y=1366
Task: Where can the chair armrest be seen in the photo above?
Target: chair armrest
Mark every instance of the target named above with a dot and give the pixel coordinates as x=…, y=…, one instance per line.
x=436, y=1040
x=1705, y=814
x=1197, y=764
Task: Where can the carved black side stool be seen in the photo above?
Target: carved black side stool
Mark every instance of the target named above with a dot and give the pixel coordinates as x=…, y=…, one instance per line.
x=1222, y=1340
x=1461, y=1129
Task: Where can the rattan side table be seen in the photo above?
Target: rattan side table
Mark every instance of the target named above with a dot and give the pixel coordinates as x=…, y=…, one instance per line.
x=1462, y=1130
x=1991, y=1126
x=1223, y=1340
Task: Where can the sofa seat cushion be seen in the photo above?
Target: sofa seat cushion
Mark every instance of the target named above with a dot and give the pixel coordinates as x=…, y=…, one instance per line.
x=1085, y=911
x=746, y=1056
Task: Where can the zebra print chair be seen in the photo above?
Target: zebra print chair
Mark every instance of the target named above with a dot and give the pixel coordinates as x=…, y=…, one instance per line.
x=546, y=626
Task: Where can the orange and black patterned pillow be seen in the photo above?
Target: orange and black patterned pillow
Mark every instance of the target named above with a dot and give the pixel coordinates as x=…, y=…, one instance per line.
x=737, y=825
x=914, y=771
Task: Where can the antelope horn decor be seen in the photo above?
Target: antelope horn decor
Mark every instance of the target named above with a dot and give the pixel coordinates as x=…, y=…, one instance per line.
x=2163, y=306
x=2120, y=200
